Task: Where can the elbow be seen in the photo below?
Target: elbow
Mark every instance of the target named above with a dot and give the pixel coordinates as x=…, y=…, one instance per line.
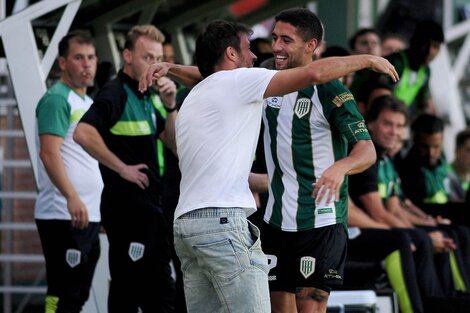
x=316, y=75
x=372, y=157
x=78, y=135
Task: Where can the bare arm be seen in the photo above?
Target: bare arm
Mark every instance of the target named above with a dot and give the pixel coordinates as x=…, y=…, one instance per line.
x=358, y=218
x=167, y=90
x=394, y=206
x=88, y=137
x=54, y=164
x=258, y=182
x=325, y=70
x=361, y=157
x=372, y=203
x=186, y=75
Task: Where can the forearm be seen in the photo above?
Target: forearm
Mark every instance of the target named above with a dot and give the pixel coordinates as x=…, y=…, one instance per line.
x=258, y=182
x=91, y=141
x=328, y=69
x=361, y=157
x=54, y=165
x=186, y=75
x=168, y=136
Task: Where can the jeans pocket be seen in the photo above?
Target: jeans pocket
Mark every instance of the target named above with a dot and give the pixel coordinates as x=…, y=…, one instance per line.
x=257, y=256
x=218, y=258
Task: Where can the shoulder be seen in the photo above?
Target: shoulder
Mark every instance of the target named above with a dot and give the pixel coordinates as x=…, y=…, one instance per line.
x=113, y=91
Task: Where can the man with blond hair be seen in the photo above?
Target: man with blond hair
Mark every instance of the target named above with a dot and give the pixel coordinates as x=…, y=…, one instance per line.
x=119, y=131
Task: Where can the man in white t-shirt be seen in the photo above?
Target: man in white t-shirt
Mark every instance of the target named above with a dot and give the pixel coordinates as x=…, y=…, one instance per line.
x=217, y=130
x=67, y=209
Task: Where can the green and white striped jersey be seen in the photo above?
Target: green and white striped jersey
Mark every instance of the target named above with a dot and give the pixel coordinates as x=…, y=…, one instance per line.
x=305, y=133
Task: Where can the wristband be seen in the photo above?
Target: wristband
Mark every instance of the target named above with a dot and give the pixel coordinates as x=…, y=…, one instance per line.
x=170, y=110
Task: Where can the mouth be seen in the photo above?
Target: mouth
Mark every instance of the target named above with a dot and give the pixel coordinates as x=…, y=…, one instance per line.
x=86, y=75
x=280, y=60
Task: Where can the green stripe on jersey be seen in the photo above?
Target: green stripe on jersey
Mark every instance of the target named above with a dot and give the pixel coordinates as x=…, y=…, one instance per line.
x=302, y=152
x=276, y=184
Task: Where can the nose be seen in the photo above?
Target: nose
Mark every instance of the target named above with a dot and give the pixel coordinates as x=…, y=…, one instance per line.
x=275, y=45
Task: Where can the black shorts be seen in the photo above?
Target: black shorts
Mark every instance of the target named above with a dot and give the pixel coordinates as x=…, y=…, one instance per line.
x=312, y=258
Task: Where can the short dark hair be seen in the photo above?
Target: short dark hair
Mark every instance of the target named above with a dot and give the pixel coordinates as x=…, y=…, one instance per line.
x=462, y=137
x=384, y=103
x=427, y=124
x=305, y=21
x=425, y=32
x=214, y=40
x=79, y=36
x=359, y=33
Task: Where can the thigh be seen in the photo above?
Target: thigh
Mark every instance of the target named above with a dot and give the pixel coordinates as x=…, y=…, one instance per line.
x=222, y=254
x=313, y=258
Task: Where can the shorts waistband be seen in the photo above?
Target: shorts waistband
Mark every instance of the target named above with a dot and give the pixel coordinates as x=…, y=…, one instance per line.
x=215, y=212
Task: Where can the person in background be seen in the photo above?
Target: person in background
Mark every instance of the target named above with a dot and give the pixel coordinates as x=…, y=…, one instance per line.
x=67, y=210
x=392, y=43
x=120, y=130
x=366, y=41
x=458, y=172
x=413, y=67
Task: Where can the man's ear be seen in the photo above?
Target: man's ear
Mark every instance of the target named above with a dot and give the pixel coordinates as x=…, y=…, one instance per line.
x=231, y=53
x=127, y=56
x=61, y=62
x=312, y=45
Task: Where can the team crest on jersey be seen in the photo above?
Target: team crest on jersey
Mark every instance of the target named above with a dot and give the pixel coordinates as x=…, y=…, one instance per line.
x=274, y=102
x=136, y=251
x=302, y=107
x=72, y=257
x=307, y=266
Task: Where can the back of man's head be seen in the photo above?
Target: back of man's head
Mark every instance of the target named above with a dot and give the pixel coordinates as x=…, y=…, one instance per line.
x=425, y=32
x=305, y=21
x=214, y=40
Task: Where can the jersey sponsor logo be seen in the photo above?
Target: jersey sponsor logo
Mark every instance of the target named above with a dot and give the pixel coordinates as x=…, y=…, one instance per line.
x=358, y=127
x=302, y=107
x=136, y=251
x=274, y=102
x=72, y=257
x=342, y=98
x=332, y=274
x=307, y=266
x=325, y=210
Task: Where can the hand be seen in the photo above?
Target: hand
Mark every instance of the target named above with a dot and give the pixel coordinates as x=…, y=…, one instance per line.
x=441, y=243
x=134, y=174
x=443, y=220
x=78, y=212
x=152, y=72
x=167, y=90
x=327, y=187
x=382, y=65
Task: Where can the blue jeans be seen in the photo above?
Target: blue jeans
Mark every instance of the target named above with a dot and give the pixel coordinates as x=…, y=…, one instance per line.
x=224, y=268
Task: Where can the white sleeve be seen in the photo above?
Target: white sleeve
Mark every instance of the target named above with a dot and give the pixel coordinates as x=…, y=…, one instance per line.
x=251, y=83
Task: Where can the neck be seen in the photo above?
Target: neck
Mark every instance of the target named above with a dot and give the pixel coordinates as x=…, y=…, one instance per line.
x=79, y=90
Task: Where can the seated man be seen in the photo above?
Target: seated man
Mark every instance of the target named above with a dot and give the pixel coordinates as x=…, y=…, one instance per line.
x=376, y=190
x=458, y=171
